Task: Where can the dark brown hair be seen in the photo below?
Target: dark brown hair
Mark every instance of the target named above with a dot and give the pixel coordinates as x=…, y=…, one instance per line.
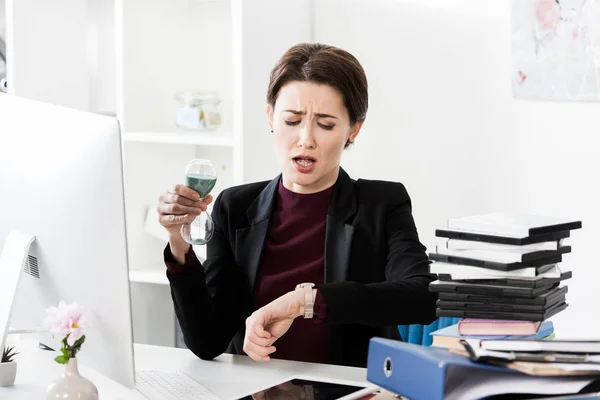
x=323, y=64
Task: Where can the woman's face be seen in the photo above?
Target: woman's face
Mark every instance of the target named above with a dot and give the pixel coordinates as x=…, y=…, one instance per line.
x=310, y=127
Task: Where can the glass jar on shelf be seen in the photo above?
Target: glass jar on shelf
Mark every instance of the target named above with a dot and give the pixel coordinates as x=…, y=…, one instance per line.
x=198, y=110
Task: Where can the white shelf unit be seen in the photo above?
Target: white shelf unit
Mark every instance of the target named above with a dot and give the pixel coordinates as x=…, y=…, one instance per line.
x=169, y=46
x=191, y=138
x=128, y=58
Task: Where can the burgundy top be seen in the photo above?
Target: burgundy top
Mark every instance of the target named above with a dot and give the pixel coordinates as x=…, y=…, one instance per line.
x=293, y=253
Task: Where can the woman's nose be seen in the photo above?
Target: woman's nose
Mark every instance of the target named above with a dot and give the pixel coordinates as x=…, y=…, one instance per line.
x=306, y=139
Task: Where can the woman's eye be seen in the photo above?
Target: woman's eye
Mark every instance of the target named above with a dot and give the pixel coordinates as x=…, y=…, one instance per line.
x=292, y=123
x=327, y=127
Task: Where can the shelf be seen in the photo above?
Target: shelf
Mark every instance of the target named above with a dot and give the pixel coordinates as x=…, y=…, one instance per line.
x=221, y=139
x=157, y=274
x=153, y=275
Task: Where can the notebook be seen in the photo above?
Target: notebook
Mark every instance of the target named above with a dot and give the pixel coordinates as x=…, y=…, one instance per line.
x=473, y=326
x=449, y=337
x=513, y=224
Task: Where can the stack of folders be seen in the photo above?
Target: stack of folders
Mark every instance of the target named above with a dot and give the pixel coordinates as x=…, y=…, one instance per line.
x=538, y=357
x=502, y=267
x=506, y=369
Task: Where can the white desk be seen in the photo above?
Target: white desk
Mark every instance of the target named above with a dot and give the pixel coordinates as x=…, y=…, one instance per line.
x=228, y=376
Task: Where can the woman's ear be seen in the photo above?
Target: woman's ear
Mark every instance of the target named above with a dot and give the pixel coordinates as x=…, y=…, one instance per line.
x=354, y=131
x=270, y=117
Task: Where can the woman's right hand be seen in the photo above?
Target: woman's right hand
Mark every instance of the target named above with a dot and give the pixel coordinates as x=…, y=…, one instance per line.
x=178, y=206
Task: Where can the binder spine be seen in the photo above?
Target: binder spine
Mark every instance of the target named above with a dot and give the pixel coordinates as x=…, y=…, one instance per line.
x=404, y=373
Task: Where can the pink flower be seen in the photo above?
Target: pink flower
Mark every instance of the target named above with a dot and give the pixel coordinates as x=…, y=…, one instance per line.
x=547, y=13
x=66, y=319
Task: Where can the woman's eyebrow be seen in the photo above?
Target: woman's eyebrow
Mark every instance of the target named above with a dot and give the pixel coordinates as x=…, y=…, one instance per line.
x=320, y=115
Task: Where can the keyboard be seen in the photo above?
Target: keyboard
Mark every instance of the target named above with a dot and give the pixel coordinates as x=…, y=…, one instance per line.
x=162, y=385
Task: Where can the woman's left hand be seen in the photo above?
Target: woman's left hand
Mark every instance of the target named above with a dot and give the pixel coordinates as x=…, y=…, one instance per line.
x=271, y=322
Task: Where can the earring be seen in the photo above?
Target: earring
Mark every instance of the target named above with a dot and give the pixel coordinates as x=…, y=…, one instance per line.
x=271, y=130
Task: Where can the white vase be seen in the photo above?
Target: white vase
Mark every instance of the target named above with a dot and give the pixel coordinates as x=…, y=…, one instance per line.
x=72, y=385
x=8, y=373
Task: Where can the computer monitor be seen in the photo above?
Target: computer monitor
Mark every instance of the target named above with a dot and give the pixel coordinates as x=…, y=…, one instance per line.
x=61, y=181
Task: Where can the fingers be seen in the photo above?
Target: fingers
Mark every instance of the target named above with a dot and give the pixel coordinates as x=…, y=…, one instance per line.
x=180, y=205
x=171, y=219
x=208, y=199
x=264, y=341
x=185, y=191
x=258, y=343
x=178, y=209
x=258, y=353
x=174, y=198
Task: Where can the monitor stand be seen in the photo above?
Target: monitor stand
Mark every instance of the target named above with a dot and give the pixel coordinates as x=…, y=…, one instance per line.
x=12, y=263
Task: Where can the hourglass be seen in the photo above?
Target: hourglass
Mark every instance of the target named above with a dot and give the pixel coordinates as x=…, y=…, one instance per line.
x=200, y=176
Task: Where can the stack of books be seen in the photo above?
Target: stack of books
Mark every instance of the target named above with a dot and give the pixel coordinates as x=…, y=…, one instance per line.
x=482, y=329
x=502, y=267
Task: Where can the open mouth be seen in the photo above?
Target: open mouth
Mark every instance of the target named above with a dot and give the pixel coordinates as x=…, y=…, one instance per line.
x=304, y=161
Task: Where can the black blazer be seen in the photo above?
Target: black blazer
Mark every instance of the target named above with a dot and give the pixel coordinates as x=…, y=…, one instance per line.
x=376, y=270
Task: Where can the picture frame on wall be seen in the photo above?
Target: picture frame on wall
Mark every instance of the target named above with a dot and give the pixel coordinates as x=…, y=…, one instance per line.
x=556, y=49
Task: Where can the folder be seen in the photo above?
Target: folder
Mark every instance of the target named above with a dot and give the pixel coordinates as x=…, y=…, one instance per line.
x=425, y=373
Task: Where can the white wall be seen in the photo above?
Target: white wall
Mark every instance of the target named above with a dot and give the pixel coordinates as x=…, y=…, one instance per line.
x=3, y=19
x=268, y=28
x=73, y=66
x=442, y=120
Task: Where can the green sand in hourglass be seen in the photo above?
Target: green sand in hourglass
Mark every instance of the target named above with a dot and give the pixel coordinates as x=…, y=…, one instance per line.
x=202, y=184
x=201, y=229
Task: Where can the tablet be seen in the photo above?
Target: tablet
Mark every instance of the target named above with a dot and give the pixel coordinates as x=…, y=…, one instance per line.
x=314, y=388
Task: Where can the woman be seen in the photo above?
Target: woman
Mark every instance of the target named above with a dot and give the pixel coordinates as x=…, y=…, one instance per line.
x=311, y=265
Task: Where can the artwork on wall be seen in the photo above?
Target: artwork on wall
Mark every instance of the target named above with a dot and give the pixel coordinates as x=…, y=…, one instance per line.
x=556, y=49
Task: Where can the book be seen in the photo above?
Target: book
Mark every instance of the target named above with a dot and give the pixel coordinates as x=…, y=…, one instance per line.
x=471, y=326
x=513, y=224
x=449, y=337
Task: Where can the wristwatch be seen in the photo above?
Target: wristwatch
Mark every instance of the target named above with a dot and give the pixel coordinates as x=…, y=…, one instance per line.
x=308, y=298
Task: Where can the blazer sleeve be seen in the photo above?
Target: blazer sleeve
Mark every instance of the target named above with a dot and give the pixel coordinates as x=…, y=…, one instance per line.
x=211, y=301
x=404, y=297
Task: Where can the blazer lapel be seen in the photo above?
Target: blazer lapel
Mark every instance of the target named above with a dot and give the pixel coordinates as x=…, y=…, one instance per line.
x=340, y=231
x=250, y=241
x=338, y=234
